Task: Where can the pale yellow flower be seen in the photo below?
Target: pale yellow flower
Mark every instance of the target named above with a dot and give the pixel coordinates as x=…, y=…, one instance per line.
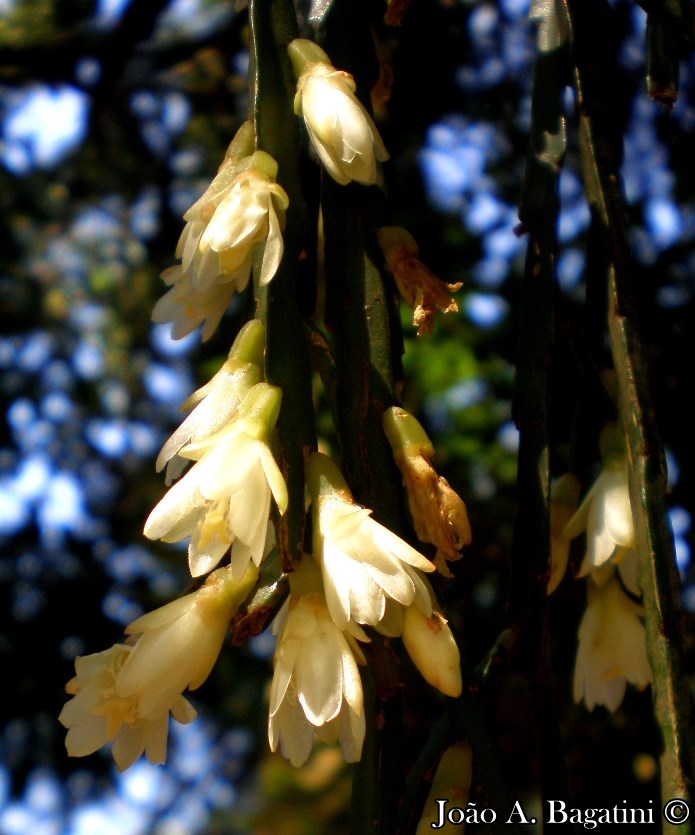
x=217, y=402
x=243, y=209
x=316, y=691
x=342, y=132
x=606, y=513
x=363, y=563
x=187, y=307
x=97, y=714
x=251, y=213
x=125, y=694
x=224, y=499
x=612, y=647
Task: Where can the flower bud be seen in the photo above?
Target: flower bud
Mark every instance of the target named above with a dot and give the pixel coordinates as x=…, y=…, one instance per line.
x=432, y=648
x=439, y=514
x=341, y=131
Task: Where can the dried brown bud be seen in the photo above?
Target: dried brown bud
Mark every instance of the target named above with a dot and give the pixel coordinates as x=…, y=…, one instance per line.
x=420, y=288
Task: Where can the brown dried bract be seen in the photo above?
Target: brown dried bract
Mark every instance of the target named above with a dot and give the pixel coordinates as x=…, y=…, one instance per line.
x=422, y=290
x=439, y=514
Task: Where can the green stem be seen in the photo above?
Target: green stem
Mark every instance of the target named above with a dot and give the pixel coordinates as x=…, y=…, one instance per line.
x=273, y=26
x=358, y=320
x=658, y=576
x=528, y=610
x=365, y=339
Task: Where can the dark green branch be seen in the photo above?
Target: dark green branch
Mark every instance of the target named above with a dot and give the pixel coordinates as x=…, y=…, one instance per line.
x=601, y=149
x=273, y=26
x=528, y=611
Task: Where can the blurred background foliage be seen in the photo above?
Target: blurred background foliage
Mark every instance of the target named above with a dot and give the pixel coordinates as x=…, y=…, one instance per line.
x=113, y=119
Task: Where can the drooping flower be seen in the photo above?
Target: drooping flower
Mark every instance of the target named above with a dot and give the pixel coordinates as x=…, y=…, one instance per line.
x=224, y=499
x=187, y=307
x=439, y=514
x=342, y=132
x=243, y=209
x=428, y=641
x=363, y=563
x=216, y=403
x=125, y=694
x=612, y=647
x=606, y=513
x=316, y=691
x=419, y=287
x=251, y=213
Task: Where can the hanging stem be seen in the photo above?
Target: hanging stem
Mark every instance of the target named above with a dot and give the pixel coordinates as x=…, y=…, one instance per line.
x=528, y=611
x=360, y=319
x=658, y=578
x=273, y=26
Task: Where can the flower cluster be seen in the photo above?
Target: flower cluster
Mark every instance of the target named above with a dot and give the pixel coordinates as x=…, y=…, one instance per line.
x=612, y=640
x=125, y=694
x=243, y=209
x=224, y=499
x=360, y=575
x=316, y=691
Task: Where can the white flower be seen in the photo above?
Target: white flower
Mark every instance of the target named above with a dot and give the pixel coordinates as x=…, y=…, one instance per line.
x=251, y=213
x=606, y=513
x=341, y=130
x=612, y=647
x=224, y=499
x=217, y=401
x=125, y=694
x=97, y=714
x=363, y=563
x=187, y=308
x=316, y=691
x=243, y=209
